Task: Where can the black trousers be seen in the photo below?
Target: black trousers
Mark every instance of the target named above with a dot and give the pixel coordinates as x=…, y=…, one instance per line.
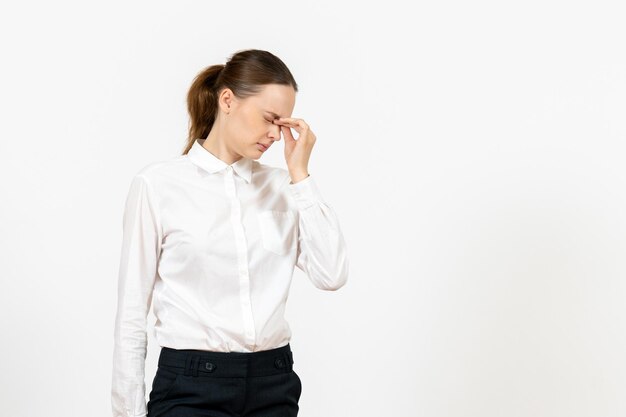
x=198, y=383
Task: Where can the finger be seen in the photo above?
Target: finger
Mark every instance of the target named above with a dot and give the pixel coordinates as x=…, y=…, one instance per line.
x=286, y=128
x=299, y=127
x=287, y=133
x=292, y=121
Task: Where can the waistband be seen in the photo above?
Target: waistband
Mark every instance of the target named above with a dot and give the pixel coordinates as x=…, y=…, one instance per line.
x=227, y=364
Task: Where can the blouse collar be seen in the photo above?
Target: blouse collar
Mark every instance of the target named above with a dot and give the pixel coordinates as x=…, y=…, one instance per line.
x=211, y=163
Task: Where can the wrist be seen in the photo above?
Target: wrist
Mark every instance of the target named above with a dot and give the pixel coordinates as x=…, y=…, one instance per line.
x=298, y=176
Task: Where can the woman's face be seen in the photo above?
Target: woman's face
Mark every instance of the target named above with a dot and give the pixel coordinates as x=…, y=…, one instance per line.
x=250, y=121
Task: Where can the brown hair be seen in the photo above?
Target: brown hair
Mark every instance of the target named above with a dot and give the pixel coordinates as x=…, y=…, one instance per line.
x=244, y=73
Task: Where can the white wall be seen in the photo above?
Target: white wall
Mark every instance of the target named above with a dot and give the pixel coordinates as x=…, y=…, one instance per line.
x=474, y=152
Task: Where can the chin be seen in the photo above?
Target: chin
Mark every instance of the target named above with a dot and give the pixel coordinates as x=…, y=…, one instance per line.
x=255, y=155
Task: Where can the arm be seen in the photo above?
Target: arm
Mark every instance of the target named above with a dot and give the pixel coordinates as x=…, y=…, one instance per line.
x=141, y=246
x=322, y=252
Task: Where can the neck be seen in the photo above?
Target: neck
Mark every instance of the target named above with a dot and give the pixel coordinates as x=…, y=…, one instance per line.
x=216, y=144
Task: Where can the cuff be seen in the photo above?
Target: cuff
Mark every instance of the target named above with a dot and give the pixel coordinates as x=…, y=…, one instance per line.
x=306, y=193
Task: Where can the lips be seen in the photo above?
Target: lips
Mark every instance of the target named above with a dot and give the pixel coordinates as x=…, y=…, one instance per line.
x=263, y=146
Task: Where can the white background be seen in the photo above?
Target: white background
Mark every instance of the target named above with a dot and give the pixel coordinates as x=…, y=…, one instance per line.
x=474, y=152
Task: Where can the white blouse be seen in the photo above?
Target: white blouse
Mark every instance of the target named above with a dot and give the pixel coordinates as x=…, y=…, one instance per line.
x=213, y=248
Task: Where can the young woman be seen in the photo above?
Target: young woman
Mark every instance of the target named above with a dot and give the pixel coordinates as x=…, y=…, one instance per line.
x=210, y=240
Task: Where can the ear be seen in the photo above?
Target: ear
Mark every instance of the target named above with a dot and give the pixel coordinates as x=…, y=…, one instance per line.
x=226, y=100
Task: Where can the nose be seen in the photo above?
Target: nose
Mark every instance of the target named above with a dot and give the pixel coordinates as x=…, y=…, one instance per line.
x=275, y=134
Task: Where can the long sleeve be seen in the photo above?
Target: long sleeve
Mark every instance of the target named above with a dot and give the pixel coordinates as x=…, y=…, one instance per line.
x=322, y=252
x=141, y=246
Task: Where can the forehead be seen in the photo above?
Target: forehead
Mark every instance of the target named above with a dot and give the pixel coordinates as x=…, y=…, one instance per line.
x=276, y=98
